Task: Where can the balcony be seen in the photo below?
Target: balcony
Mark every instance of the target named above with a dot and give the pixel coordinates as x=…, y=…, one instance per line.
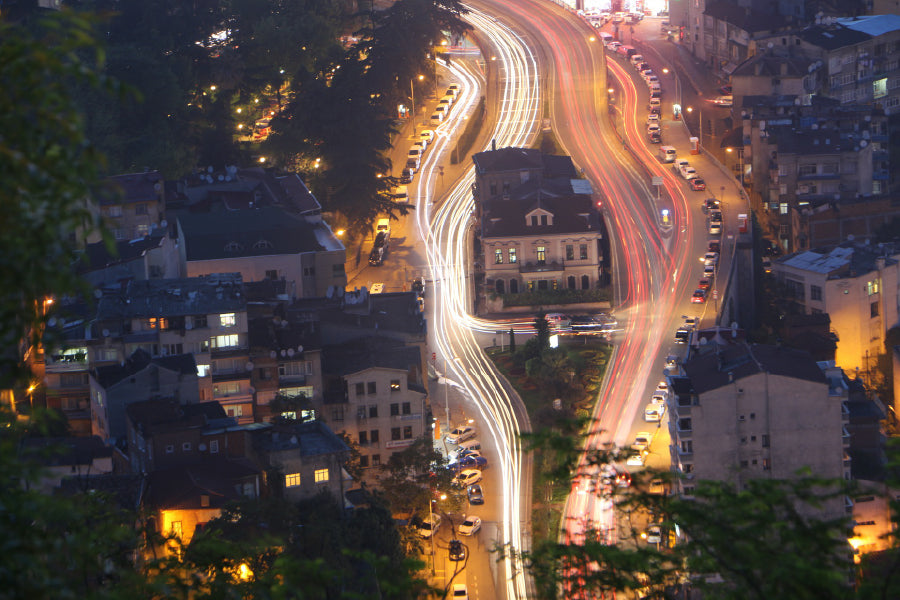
x=542, y=267
x=845, y=437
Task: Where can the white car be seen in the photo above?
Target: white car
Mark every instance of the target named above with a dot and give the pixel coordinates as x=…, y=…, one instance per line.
x=470, y=526
x=653, y=412
x=711, y=258
x=709, y=270
x=689, y=173
x=658, y=398
x=653, y=118
x=653, y=535
x=636, y=459
x=613, y=46
x=723, y=100
x=691, y=322
x=427, y=135
x=663, y=385
x=467, y=477
x=641, y=441
x=453, y=88
x=461, y=434
x=715, y=228
x=652, y=128
x=460, y=592
x=430, y=525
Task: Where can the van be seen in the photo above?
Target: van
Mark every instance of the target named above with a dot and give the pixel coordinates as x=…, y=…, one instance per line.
x=383, y=225
x=667, y=154
x=636, y=59
x=628, y=51
x=606, y=38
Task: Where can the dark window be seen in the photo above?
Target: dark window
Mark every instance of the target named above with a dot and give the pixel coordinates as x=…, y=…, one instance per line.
x=199, y=321
x=337, y=269
x=360, y=389
x=376, y=460
x=585, y=282
x=406, y=408
x=307, y=272
x=873, y=310
x=395, y=433
x=371, y=387
x=373, y=411
x=493, y=189
x=571, y=282
x=744, y=464
x=363, y=438
x=543, y=219
x=363, y=461
x=374, y=436
x=534, y=220
x=767, y=464
x=499, y=286
x=765, y=440
x=815, y=292
x=272, y=274
x=514, y=286
x=582, y=251
x=407, y=432
x=570, y=252
x=395, y=409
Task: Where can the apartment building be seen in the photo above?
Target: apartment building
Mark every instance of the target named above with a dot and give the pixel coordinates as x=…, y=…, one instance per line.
x=857, y=285
x=375, y=393
x=264, y=242
x=743, y=411
x=205, y=316
x=132, y=205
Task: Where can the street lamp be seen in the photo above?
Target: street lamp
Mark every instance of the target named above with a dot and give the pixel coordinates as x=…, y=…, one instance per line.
x=740, y=152
x=412, y=95
x=700, y=115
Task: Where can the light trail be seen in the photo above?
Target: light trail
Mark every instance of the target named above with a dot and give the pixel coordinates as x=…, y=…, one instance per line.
x=446, y=229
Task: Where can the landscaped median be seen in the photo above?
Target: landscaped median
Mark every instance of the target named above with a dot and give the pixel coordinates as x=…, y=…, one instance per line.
x=558, y=386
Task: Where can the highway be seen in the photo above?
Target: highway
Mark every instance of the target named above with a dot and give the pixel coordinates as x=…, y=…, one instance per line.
x=654, y=261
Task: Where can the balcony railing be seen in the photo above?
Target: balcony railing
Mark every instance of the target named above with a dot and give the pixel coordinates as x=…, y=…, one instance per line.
x=542, y=267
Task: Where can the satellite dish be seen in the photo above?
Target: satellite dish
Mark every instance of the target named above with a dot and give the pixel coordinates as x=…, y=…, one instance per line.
x=863, y=143
x=249, y=366
x=157, y=187
x=770, y=45
x=284, y=352
x=188, y=325
x=164, y=224
x=98, y=293
x=299, y=348
x=209, y=169
x=201, y=447
x=221, y=177
x=290, y=352
x=273, y=354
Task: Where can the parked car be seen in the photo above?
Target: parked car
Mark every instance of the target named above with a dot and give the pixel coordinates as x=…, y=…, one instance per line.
x=613, y=46
x=654, y=137
x=704, y=283
x=697, y=184
x=475, y=494
x=467, y=477
x=699, y=296
x=653, y=535
x=641, y=441
x=376, y=257
x=460, y=592
x=653, y=118
x=461, y=434
x=711, y=204
x=653, y=128
x=709, y=271
x=470, y=526
x=714, y=246
x=427, y=135
x=653, y=412
x=406, y=176
x=429, y=525
x=472, y=462
x=682, y=334
x=418, y=286
x=711, y=258
x=715, y=228
x=457, y=551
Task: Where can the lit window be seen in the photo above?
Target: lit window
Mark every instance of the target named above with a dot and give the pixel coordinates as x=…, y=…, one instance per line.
x=541, y=254
x=227, y=320
x=176, y=529
x=321, y=475
x=202, y=370
x=225, y=341
x=498, y=256
x=583, y=251
x=512, y=256
x=395, y=385
x=292, y=480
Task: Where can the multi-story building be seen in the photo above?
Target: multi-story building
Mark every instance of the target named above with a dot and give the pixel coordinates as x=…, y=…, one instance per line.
x=300, y=459
x=132, y=205
x=264, y=243
x=205, y=316
x=747, y=411
x=138, y=378
x=723, y=34
x=375, y=393
x=152, y=257
x=539, y=228
x=857, y=285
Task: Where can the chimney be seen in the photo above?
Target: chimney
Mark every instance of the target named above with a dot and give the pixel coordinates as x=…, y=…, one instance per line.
x=494, y=144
